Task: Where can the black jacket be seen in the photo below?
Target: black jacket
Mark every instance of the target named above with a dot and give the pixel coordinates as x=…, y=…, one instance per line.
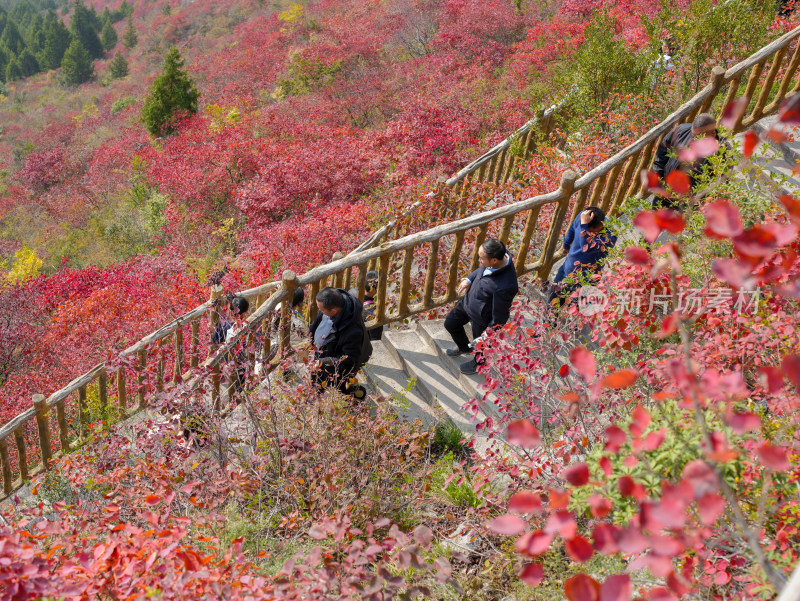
x=347, y=346
x=488, y=300
x=666, y=160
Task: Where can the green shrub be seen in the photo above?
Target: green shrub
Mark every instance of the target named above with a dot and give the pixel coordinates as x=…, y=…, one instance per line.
x=122, y=103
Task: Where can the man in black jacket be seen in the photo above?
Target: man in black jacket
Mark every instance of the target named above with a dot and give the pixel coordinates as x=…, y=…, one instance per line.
x=340, y=338
x=488, y=292
x=666, y=160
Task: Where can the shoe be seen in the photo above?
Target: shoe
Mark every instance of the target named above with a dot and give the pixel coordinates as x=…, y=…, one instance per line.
x=469, y=368
x=455, y=352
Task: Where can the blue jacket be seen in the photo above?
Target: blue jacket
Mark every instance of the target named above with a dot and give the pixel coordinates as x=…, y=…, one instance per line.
x=585, y=249
x=488, y=300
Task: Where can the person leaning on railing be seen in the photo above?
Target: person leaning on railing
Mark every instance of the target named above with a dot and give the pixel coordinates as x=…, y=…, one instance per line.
x=488, y=293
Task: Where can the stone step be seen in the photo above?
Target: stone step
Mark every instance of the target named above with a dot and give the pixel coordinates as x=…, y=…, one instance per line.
x=434, y=382
x=385, y=377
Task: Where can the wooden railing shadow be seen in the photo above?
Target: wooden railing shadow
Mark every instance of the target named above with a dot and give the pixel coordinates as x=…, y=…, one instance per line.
x=417, y=273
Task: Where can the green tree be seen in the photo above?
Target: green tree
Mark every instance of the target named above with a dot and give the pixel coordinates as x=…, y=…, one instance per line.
x=36, y=35
x=13, y=70
x=108, y=37
x=129, y=38
x=4, y=58
x=125, y=9
x=77, y=65
x=55, y=44
x=11, y=37
x=82, y=28
x=172, y=92
x=28, y=63
x=118, y=67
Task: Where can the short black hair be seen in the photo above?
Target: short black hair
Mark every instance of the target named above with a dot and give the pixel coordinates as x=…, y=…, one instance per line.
x=331, y=298
x=598, y=217
x=371, y=282
x=239, y=305
x=494, y=248
x=298, y=296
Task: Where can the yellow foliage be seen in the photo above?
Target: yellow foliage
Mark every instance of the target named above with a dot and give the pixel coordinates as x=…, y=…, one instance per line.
x=292, y=14
x=26, y=265
x=222, y=116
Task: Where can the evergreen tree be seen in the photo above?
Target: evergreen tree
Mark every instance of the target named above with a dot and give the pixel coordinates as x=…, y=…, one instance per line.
x=36, y=35
x=77, y=64
x=108, y=37
x=13, y=70
x=125, y=9
x=129, y=38
x=172, y=92
x=118, y=67
x=28, y=63
x=82, y=28
x=4, y=58
x=56, y=42
x=11, y=37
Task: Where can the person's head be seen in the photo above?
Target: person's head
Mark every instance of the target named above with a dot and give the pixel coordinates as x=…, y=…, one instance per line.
x=492, y=253
x=371, y=284
x=668, y=45
x=704, y=125
x=598, y=217
x=330, y=301
x=239, y=306
x=298, y=297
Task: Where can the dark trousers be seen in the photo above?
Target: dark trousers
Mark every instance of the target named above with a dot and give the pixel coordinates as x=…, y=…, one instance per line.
x=455, y=322
x=559, y=291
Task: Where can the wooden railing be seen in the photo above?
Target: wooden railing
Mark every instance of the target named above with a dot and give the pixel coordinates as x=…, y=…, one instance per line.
x=417, y=273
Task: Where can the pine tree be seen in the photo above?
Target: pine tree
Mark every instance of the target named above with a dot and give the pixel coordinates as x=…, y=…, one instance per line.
x=28, y=63
x=55, y=44
x=82, y=28
x=172, y=92
x=108, y=37
x=125, y=9
x=77, y=64
x=13, y=70
x=11, y=37
x=118, y=67
x=4, y=58
x=129, y=38
x=36, y=35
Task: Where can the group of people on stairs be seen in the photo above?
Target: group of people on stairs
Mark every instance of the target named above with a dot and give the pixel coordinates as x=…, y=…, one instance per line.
x=342, y=344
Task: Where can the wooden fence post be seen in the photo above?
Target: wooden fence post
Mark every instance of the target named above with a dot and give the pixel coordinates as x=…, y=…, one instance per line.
x=289, y=284
x=40, y=406
x=19, y=438
x=565, y=192
x=8, y=478
x=213, y=318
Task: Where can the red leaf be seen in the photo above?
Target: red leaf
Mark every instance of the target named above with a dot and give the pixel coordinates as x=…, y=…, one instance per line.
x=773, y=457
x=533, y=544
x=701, y=477
x=669, y=325
x=646, y=222
x=651, y=182
x=733, y=272
x=563, y=523
x=508, y=525
x=616, y=437
x=616, y=588
x=704, y=147
x=582, y=588
x=755, y=242
x=710, y=507
x=600, y=506
x=563, y=371
x=637, y=256
x=532, y=574
x=626, y=486
x=524, y=434
x=789, y=112
x=624, y=378
x=640, y=417
x=679, y=182
x=152, y=499
x=743, y=422
x=791, y=369
x=722, y=220
x=750, y=143
x=733, y=112
x=525, y=501
x=317, y=532
x=579, y=549
x=584, y=362
x=669, y=220
x=792, y=206
x=578, y=474
x=423, y=535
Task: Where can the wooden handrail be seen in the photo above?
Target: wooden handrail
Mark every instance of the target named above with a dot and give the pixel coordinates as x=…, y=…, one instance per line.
x=608, y=184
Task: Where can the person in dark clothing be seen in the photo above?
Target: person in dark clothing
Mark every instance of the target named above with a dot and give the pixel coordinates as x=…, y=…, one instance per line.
x=488, y=293
x=587, y=243
x=340, y=338
x=666, y=160
x=226, y=329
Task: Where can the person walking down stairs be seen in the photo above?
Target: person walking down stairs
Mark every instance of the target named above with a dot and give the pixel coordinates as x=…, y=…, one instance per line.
x=488, y=293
